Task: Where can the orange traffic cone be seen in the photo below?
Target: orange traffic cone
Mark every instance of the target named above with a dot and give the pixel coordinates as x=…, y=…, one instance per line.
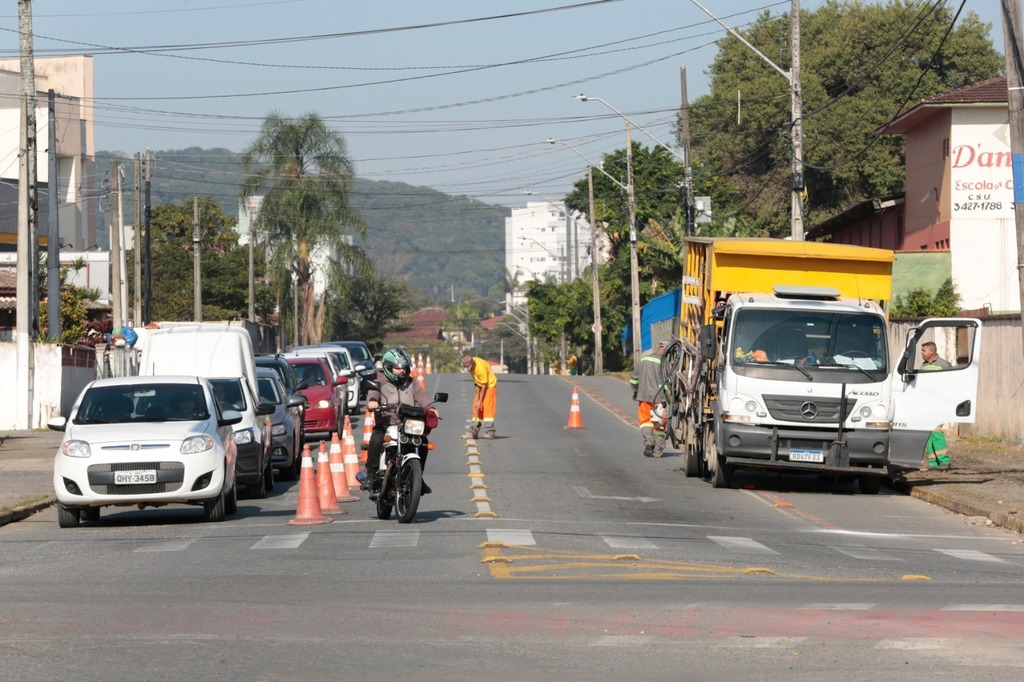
x=367, y=430
x=339, y=473
x=421, y=380
x=575, y=420
x=325, y=484
x=350, y=457
x=429, y=370
x=308, y=512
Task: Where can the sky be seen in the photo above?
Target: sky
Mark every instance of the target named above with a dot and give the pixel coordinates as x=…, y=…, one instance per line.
x=457, y=95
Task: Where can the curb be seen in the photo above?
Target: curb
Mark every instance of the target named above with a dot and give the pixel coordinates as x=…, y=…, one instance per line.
x=24, y=511
x=1008, y=521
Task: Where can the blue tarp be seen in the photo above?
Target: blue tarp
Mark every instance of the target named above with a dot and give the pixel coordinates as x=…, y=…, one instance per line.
x=659, y=309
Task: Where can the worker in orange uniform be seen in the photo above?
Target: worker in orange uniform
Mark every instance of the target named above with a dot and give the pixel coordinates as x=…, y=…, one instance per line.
x=485, y=399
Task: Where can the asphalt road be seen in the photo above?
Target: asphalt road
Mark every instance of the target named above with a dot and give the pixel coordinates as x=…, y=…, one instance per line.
x=545, y=553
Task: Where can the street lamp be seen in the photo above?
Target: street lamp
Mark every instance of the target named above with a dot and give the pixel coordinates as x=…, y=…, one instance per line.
x=687, y=180
x=634, y=277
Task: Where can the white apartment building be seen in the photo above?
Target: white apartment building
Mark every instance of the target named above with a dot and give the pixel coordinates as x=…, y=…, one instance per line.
x=542, y=242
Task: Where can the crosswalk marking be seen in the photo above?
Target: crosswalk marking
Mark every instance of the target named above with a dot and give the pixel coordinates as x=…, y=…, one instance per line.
x=741, y=544
x=511, y=537
x=169, y=546
x=395, y=538
x=619, y=542
x=290, y=541
x=869, y=553
x=971, y=555
x=985, y=607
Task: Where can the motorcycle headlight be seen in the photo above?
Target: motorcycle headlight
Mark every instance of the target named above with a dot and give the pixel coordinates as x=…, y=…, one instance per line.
x=244, y=437
x=415, y=427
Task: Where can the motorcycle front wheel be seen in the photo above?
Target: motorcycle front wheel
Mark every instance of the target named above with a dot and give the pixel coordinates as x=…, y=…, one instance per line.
x=407, y=492
x=385, y=499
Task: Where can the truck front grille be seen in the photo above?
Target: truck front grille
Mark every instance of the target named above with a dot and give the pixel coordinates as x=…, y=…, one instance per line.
x=806, y=410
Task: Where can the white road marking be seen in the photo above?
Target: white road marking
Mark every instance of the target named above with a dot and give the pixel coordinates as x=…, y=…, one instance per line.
x=971, y=555
x=620, y=542
x=290, y=541
x=511, y=537
x=913, y=643
x=587, y=495
x=868, y=553
x=985, y=607
x=741, y=544
x=395, y=538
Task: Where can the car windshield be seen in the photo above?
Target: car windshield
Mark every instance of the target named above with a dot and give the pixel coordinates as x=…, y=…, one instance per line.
x=311, y=373
x=229, y=394
x=359, y=353
x=142, y=403
x=341, y=359
x=826, y=339
x=269, y=392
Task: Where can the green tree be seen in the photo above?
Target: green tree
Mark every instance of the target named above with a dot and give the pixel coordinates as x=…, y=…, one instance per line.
x=224, y=265
x=368, y=306
x=861, y=65
x=304, y=173
x=945, y=302
x=73, y=312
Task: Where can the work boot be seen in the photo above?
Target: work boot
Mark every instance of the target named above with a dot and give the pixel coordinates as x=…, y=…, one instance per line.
x=489, y=434
x=648, y=450
x=424, y=488
x=368, y=480
x=475, y=433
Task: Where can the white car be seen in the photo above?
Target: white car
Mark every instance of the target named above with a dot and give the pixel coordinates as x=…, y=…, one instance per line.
x=145, y=441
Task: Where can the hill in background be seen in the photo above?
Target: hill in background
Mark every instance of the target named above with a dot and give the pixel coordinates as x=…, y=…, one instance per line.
x=448, y=247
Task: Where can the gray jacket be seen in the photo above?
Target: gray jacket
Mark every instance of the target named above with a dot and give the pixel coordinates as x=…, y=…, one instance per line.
x=646, y=379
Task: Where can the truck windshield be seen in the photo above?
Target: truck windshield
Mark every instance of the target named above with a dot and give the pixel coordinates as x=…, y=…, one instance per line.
x=809, y=339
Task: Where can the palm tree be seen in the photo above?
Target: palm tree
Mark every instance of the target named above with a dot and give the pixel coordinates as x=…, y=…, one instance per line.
x=304, y=172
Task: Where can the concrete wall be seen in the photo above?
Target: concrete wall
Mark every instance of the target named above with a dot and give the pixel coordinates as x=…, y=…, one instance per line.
x=56, y=385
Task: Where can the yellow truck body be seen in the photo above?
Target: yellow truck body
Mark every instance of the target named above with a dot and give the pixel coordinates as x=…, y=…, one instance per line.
x=715, y=267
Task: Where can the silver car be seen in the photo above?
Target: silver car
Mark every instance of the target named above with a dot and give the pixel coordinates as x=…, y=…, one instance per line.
x=145, y=441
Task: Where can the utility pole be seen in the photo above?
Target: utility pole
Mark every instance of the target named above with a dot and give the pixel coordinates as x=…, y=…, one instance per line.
x=1012, y=34
x=252, y=269
x=53, y=225
x=115, y=245
x=147, y=274
x=595, y=280
x=684, y=120
x=137, y=243
x=793, y=76
x=797, y=184
x=634, y=276
x=27, y=245
x=197, y=286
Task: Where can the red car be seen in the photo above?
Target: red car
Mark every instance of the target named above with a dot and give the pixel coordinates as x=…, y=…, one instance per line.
x=325, y=413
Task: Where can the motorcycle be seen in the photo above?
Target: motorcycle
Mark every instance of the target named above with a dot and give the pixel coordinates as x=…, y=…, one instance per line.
x=400, y=483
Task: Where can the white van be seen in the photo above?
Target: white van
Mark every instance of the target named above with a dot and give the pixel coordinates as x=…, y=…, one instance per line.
x=223, y=355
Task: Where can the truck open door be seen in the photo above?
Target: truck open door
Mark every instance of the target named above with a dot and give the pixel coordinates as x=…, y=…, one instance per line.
x=925, y=397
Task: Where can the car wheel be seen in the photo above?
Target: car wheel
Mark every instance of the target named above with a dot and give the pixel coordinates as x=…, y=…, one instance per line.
x=231, y=500
x=213, y=510
x=268, y=475
x=91, y=514
x=258, y=489
x=67, y=518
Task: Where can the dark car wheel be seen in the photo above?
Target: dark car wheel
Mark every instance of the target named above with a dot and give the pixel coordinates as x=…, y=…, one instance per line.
x=67, y=518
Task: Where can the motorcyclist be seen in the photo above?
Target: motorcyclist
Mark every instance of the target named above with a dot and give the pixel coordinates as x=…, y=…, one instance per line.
x=400, y=388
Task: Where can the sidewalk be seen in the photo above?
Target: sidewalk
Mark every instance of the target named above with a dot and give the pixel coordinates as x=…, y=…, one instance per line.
x=985, y=484
x=26, y=472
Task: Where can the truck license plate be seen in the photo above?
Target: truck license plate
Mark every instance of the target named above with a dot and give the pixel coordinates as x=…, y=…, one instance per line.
x=134, y=477
x=806, y=456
